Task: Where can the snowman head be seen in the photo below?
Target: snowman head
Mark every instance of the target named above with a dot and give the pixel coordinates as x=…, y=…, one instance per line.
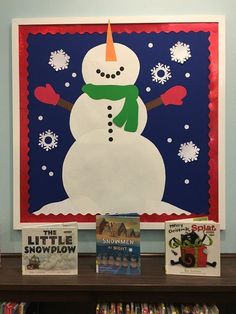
x=110, y=64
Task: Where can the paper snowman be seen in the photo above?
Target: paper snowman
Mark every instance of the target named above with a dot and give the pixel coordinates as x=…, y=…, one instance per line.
x=111, y=167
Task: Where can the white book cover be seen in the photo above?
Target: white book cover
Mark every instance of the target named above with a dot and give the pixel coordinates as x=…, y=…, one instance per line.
x=50, y=250
x=192, y=248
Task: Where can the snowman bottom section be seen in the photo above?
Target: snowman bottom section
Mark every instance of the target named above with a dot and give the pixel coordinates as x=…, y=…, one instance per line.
x=127, y=175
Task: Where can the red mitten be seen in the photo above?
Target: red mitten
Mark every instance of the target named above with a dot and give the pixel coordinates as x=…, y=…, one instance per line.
x=47, y=95
x=174, y=95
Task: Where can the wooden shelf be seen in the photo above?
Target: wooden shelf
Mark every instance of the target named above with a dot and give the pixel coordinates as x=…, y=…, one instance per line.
x=151, y=286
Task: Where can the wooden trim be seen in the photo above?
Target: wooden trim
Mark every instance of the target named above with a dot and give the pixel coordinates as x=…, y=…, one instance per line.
x=87, y=286
x=14, y=255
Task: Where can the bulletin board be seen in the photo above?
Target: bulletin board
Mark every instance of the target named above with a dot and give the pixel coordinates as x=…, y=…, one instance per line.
x=118, y=115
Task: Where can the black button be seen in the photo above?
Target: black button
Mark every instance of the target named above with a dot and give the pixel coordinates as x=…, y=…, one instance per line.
x=113, y=76
x=117, y=72
x=110, y=123
x=110, y=115
x=109, y=107
x=122, y=68
x=107, y=75
x=110, y=139
x=102, y=74
x=110, y=130
x=98, y=71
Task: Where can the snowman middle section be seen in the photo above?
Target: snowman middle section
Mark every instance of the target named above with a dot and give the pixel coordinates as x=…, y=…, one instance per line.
x=108, y=169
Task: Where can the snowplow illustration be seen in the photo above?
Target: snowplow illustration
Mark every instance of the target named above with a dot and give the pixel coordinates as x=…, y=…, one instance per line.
x=34, y=263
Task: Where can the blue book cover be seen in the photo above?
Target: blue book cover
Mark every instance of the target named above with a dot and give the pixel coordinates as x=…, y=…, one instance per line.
x=118, y=244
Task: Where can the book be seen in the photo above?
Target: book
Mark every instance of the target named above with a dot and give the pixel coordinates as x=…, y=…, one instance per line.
x=118, y=244
x=23, y=307
x=26, y=307
x=10, y=308
x=192, y=247
x=2, y=305
x=50, y=250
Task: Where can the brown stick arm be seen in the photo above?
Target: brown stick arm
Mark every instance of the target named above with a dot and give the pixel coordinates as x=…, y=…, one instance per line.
x=154, y=103
x=65, y=104
x=150, y=105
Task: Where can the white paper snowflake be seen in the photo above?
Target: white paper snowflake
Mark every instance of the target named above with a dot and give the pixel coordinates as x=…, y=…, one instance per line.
x=188, y=152
x=161, y=73
x=180, y=52
x=59, y=60
x=48, y=140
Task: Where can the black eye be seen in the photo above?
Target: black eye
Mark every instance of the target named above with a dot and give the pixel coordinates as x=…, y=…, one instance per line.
x=122, y=68
x=117, y=72
x=102, y=74
x=98, y=71
x=107, y=75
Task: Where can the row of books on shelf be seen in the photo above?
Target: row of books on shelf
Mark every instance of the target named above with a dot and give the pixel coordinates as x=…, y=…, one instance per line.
x=119, y=308
x=10, y=307
x=161, y=308
x=191, y=247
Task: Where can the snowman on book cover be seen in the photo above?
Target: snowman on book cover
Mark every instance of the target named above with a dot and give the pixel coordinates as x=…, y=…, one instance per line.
x=192, y=248
x=118, y=244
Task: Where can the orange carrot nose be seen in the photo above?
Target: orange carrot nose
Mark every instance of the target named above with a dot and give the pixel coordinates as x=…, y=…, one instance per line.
x=110, y=49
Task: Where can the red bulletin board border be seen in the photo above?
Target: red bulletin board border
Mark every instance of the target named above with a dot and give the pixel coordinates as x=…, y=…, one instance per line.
x=25, y=30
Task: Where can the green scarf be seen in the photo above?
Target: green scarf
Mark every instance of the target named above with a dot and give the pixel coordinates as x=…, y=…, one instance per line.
x=129, y=113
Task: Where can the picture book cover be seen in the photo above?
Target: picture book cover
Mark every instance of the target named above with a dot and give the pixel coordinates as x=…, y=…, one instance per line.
x=192, y=248
x=50, y=250
x=118, y=244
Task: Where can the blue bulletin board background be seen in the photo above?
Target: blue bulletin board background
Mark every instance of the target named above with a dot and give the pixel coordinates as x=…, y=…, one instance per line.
x=151, y=241
x=180, y=124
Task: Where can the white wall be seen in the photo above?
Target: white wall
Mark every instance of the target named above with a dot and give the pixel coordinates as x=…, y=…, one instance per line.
x=152, y=241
